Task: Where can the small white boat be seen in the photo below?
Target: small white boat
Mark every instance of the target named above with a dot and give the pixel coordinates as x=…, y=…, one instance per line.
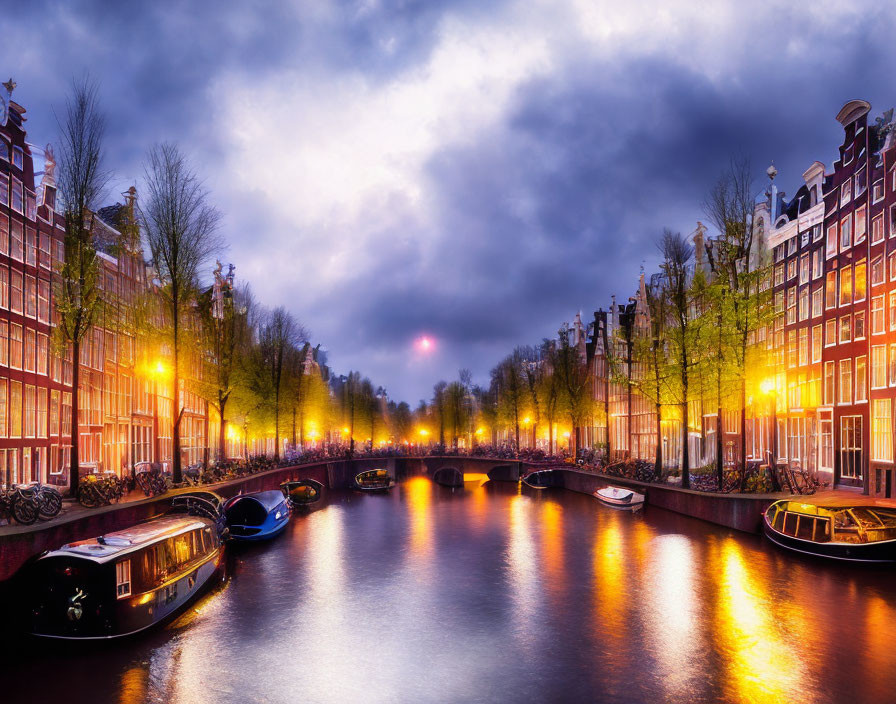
x=616, y=496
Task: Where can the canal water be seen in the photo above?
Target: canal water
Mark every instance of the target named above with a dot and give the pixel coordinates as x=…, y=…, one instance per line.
x=494, y=593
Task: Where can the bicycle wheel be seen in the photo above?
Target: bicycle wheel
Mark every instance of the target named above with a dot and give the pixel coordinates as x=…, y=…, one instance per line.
x=51, y=503
x=25, y=510
x=87, y=496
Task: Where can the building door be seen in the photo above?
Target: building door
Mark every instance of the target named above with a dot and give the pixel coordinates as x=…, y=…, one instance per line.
x=826, y=442
x=851, y=450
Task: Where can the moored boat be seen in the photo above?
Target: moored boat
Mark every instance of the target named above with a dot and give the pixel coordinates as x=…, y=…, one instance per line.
x=540, y=479
x=619, y=497
x=301, y=492
x=374, y=480
x=841, y=531
x=123, y=582
x=256, y=516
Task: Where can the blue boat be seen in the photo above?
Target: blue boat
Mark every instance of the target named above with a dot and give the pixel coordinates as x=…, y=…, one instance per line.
x=257, y=516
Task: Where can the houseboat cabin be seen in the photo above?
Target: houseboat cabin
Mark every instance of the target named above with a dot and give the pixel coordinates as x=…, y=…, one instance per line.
x=257, y=516
x=374, y=480
x=301, y=492
x=122, y=582
x=843, y=532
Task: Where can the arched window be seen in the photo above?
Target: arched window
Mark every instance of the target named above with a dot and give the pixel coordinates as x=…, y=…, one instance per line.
x=813, y=196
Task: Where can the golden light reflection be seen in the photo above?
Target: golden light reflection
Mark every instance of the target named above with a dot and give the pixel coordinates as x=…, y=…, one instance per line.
x=419, y=494
x=522, y=564
x=134, y=685
x=552, y=547
x=672, y=614
x=610, y=590
x=761, y=664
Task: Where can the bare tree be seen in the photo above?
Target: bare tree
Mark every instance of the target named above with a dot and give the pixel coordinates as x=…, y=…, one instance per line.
x=82, y=182
x=279, y=338
x=180, y=226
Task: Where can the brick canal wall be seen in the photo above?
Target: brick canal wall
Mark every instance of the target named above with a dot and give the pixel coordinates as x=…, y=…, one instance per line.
x=19, y=543
x=739, y=511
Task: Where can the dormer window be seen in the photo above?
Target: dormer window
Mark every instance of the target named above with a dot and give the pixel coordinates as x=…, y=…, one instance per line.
x=18, y=158
x=813, y=196
x=847, y=155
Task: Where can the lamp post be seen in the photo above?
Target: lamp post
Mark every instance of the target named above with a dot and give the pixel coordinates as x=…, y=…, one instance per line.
x=768, y=387
x=627, y=322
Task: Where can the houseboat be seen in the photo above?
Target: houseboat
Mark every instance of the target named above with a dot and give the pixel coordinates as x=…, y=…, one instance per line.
x=123, y=582
x=374, y=480
x=541, y=479
x=856, y=533
x=619, y=497
x=301, y=492
x=256, y=516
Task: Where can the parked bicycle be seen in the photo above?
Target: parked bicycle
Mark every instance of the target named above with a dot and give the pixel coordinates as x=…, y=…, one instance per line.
x=16, y=503
x=150, y=478
x=97, y=490
x=49, y=499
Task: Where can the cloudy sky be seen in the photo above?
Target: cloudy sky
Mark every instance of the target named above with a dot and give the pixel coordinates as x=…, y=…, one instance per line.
x=471, y=171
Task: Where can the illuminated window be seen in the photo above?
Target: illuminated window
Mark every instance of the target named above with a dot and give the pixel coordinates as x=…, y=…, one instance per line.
x=861, y=380
x=877, y=273
x=830, y=290
x=882, y=430
x=791, y=269
x=816, y=343
x=893, y=364
x=4, y=343
x=858, y=325
x=831, y=243
x=16, y=244
x=877, y=315
x=860, y=284
x=828, y=383
x=830, y=332
x=123, y=579
x=804, y=346
x=845, y=329
x=817, y=302
x=18, y=196
x=845, y=396
x=846, y=286
x=15, y=346
x=804, y=304
x=860, y=224
x=878, y=368
x=892, y=311
x=877, y=229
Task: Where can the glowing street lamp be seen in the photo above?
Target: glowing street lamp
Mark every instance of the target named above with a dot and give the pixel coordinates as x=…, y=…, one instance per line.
x=769, y=388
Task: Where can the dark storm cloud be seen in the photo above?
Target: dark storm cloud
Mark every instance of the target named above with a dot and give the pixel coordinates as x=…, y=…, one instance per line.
x=547, y=207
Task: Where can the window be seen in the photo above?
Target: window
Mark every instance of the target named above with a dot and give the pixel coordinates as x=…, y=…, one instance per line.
x=816, y=302
x=791, y=305
x=791, y=246
x=30, y=349
x=4, y=150
x=30, y=411
x=845, y=395
x=828, y=393
x=845, y=193
x=878, y=368
x=817, y=264
x=43, y=301
x=861, y=181
x=791, y=269
x=816, y=344
x=15, y=346
x=30, y=246
x=893, y=364
x=845, y=329
x=845, y=232
x=804, y=269
x=877, y=229
x=791, y=348
x=4, y=190
x=858, y=325
x=877, y=273
x=804, y=346
x=17, y=201
x=877, y=315
x=16, y=285
x=43, y=348
x=830, y=332
x=123, y=579
x=779, y=274
x=881, y=431
x=3, y=410
x=804, y=304
x=4, y=343
x=877, y=190
x=830, y=290
x=816, y=229
x=846, y=286
x=860, y=224
x=18, y=159
x=861, y=378
x=892, y=265
x=831, y=243
x=16, y=247
x=860, y=285
x=30, y=205
x=892, y=311
x=30, y=296
x=4, y=288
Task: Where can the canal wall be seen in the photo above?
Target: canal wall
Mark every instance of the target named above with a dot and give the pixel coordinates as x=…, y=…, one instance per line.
x=739, y=511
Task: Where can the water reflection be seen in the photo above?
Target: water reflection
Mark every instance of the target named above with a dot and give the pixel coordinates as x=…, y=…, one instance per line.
x=486, y=594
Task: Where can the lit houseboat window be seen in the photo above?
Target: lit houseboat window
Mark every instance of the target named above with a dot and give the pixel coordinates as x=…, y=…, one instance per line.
x=123, y=578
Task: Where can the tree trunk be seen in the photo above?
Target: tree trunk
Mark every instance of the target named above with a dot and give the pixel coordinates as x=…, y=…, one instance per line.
x=658, y=465
x=74, y=460
x=176, y=468
x=222, y=438
x=277, y=425
x=743, y=422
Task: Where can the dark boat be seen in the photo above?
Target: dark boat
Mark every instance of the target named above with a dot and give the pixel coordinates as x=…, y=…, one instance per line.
x=123, y=582
x=541, y=479
x=841, y=531
x=257, y=516
x=301, y=492
x=374, y=480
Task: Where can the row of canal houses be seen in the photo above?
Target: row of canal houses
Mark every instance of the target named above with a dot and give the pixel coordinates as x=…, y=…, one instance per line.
x=125, y=411
x=831, y=345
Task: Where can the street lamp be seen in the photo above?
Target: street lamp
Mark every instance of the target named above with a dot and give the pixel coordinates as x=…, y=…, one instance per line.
x=769, y=388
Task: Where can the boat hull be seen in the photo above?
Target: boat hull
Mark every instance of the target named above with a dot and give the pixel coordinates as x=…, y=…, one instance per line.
x=883, y=551
x=126, y=617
